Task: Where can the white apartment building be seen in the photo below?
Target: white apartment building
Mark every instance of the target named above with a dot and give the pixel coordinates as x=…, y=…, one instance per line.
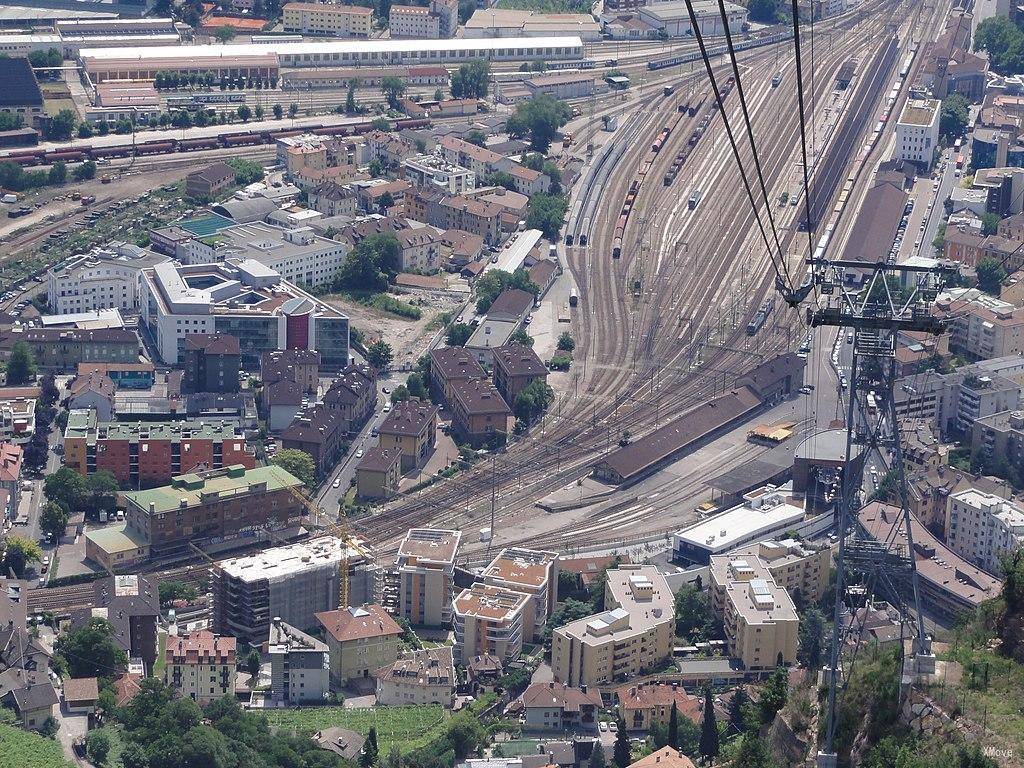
x=103, y=278
x=758, y=615
x=297, y=255
x=418, y=677
x=414, y=21
x=489, y=620
x=299, y=665
x=328, y=19
x=981, y=527
x=917, y=131
x=200, y=666
x=422, y=170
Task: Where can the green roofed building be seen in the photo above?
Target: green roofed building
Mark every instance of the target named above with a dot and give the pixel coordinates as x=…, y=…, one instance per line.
x=214, y=506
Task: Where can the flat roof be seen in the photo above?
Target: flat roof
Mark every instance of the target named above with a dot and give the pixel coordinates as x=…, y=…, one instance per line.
x=762, y=513
x=117, y=538
x=484, y=601
x=289, y=560
x=755, y=595
x=527, y=567
x=430, y=545
x=920, y=112
x=196, y=489
x=262, y=50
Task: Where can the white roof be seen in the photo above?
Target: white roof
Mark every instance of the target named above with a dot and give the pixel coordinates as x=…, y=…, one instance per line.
x=742, y=524
x=333, y=46
x=515, y=253
x=282, y=562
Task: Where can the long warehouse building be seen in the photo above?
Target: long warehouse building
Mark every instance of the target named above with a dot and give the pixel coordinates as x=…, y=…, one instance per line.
x=267, y=60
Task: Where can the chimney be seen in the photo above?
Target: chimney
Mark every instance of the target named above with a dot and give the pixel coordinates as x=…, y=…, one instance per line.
x=551, y=685
x=583, y=688
x=152, y=508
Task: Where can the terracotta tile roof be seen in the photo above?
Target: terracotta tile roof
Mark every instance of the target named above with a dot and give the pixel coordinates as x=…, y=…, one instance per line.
x=202, y=647
x=560, y=695
x=81, y=690
x=358, y=623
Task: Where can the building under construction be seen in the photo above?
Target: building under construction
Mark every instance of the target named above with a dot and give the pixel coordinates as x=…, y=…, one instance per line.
x=292, y=582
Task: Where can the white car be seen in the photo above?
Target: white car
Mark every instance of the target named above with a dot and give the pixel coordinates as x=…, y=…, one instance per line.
x=613, y=726
x=359, y=453
x=336, y=483
x=603, y=726
x=387, y=407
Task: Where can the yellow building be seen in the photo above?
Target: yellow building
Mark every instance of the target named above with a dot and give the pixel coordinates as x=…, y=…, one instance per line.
x=633, y=635
x=360, y=640
x=798, y=567
x=426, y=575
x=325, y=19
x=758, y=615
x=410, y=428
x=378, y=473
x=532, y=572
x=201, y=666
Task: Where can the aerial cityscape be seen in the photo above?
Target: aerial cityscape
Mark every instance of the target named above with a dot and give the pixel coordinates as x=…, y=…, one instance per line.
x=512, y=384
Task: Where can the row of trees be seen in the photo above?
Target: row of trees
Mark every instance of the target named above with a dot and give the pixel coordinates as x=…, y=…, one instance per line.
x=171, y=81
x=15, y=178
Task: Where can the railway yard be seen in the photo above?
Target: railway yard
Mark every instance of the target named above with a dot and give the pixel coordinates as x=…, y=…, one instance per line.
x=674, y=287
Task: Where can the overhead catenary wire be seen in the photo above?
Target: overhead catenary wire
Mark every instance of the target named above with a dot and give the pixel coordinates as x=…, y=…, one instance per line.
x=803, y=127
x=753, y=144
x=731, y=136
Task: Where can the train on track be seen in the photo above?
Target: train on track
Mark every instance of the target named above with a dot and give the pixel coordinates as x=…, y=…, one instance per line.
x=252, y=137
x=762, y=315
x=656, y=146
x=746, y=45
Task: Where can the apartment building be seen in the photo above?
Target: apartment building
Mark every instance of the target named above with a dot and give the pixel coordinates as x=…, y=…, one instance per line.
x=1000, y=436
x=361, y=639
x=555, y=706
x=633, y=634
x=299, y=365
x=293, y=582
x=650, y=704
x=981, y=327
x=532, y=572
x=414, y=21
x=378, y=473
x=759, y=617
x=212, y=363
x=200, y=666
x=63, y=349
x=479, y=414
x=11, y=456
x=333, y=199
x=801, y=568
x=320, y=432
x=207, y=183
x=449, y=365
x=152, y=452
x=353, y=394
x=411, y=430
x=249, y=300
x=516, y=366
x=106, y=277
x=982, y=528
x=328, y=19
x=426, y=576
x=17, y=417
x=483, y=162
x=299, y=666
x=131, y=604
x=423, y=170
x=490, y=619
x=438, y=209
x=917, y=131
x=418, y=677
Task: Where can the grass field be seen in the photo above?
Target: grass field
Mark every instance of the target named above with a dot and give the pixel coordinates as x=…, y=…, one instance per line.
x=20, y=749
x=407, y=727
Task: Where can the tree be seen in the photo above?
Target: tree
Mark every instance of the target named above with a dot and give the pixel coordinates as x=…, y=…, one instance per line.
x=253, y=662
x=597, y=756
x=18, y=553
x=371, y=264
x=774, y=695
x=394, y=758
x=753, y=752
x=21, y=366
x=91, y=651
x=812, y=638
x=991, y=275
x=172, y=590
x=293, y=109
x=400, y=394
x=278, y=111
x=990, y=223
x=54, y=519
x=67, y=488
x=57, y=174
x=375, y=167
x=244, y=113
x=458, y=334
x=471, y=81
x=379, y=355
x=521, y=337
x=97, y=745
x=10, y=121
x=385, y=201
x=693, y=614
x=565, y=342
x=49, y=393
x=103, y=489
x=533, y=400
x=709, y=729
x=500, y=179
x=417, y=386
x=673, y=726
x=475, y=137
x=492, y=283
x=85, y=171
x=621, y=753
x=539, y=119
x=547, y=213
x=84, y=130
x=765, y=11
x=298, y=463
x=350, y=97
x=60, y=128
x=1004, y=42
x=739, y=710
x=953, y=116
x=393, y=89
x=223, y=34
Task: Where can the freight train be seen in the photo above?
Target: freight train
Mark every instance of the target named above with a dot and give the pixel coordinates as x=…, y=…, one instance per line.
x=253, y=137
x=759, y=318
